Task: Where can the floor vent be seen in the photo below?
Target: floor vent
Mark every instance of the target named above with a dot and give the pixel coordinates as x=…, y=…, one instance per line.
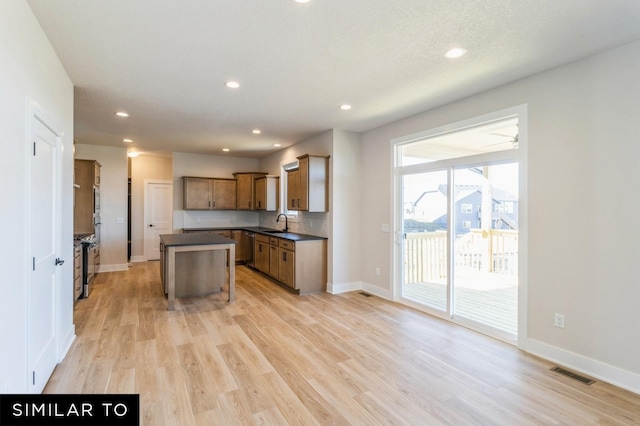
x=365, y=294
x=571, y=374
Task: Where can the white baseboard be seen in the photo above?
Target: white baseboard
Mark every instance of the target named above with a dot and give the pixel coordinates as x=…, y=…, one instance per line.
x=591, y=367
x=114, y=268
x=66, y=342
x=359, y=286
x=138, y=259
x=343, y=288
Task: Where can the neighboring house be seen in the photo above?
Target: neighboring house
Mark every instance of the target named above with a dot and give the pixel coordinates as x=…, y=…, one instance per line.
x=431, y=209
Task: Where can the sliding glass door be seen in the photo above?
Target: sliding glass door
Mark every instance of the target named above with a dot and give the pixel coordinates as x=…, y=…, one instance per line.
x=458, y=228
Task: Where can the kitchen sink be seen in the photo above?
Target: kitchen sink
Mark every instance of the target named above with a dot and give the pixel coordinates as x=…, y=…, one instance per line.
x=274, y=231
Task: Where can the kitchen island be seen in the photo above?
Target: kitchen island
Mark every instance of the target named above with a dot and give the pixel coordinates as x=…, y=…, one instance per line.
x=196, y=265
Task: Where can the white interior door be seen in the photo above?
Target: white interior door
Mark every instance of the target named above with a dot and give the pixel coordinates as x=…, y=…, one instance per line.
x=158, y=212
x=44, y=246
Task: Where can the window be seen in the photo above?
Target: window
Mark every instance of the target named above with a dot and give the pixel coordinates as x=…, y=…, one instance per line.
x=466, y=208
x=291, y=214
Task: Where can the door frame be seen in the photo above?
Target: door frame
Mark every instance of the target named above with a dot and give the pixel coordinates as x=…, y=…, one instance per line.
x=146, y=211
x=36, y=112
x=521, y=157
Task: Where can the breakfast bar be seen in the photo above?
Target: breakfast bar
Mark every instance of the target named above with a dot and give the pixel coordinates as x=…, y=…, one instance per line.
x=196, y=265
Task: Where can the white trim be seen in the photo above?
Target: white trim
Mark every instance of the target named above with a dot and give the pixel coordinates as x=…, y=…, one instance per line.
x=597, y=369
x=138, y=259
x=520, y=156
x=344, y=287
x=359, y=286
x=145, y=212
x=114, y=268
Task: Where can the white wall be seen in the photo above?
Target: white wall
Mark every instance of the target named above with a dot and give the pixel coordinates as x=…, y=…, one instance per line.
x=113, y=203
x=209, y=166
x=583, y=194
x=346, y=212
x=29, y=69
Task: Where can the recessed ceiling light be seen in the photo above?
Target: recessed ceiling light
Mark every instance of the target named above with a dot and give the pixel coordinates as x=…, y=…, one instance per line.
x=456, y=52
x=302, y=1
x=225, y=149
x=122, y=114
x=256, y=131
x=276, y=144
x=127, y=140
x=232, y=84
x=345, y=107
x=133, y=154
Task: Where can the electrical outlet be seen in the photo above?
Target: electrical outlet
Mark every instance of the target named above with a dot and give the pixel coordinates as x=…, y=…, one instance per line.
x=377, y=271
x=558, y=320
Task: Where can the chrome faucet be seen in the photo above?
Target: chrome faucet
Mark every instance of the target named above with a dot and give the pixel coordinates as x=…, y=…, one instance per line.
x=286, y=222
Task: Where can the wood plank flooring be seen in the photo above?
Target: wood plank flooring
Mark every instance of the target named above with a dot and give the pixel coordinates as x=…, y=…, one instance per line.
x=273, y=358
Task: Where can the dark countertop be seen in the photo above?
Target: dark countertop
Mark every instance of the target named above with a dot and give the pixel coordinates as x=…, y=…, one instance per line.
x=293, y=236
x=194, y=239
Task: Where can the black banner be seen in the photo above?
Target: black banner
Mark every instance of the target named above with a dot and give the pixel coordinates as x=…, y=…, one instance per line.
x=70, y=410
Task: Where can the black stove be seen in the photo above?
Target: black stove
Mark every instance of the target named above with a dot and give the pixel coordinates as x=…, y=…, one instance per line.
x=89, y=251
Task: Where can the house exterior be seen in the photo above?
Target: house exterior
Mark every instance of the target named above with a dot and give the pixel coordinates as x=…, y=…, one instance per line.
x=574, y=139
x=429, y=211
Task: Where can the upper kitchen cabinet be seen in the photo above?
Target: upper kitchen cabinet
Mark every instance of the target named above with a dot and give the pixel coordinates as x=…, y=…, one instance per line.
x=246, y=190
x=307, y=186
x=208, y=194
x=267, y=193
x=87, y=181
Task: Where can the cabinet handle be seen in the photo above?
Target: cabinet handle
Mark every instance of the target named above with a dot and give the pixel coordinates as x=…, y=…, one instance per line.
x=259, y=204
x=249, y=204
x=298, y=202
x=284, y=256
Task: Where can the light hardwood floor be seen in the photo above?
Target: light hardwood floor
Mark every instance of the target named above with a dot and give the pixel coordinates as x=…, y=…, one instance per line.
x=276, y=358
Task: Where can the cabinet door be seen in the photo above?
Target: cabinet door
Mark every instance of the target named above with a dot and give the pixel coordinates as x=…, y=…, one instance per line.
x=224, y=194
x=293, y=188
x=262, y=256
x=273, y=262
x=261, y=193
x=240, y=247
x=286, y=267
x=244, y=184
x=303, y=185
x=197, y=194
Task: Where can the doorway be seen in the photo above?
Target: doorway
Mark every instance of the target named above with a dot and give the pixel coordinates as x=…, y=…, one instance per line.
x=457, y=216
x=158, y=213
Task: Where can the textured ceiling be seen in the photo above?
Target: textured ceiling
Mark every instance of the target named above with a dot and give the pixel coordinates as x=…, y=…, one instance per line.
x=165, y=62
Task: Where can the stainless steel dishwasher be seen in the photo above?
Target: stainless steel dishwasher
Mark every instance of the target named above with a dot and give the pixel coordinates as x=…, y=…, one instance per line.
x=250, y=238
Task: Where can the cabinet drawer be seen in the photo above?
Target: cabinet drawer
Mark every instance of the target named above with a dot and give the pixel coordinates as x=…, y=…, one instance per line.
x=286, y=244
x=226, y=234
x=262, y=238
x=273, y=241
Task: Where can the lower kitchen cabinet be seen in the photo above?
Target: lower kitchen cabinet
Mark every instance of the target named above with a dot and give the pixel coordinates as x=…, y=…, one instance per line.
x=77, y=271
x=298, y=265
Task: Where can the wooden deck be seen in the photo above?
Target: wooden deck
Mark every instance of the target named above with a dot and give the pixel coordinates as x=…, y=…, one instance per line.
x=495, y=306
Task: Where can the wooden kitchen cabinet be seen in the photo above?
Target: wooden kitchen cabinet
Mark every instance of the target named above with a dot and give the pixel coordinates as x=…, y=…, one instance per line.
x=246, y=189
x=77, y=271
x=267, y=191
x=262, y=253
x=241, y=246
x=208, y=193
x=307, y=186
x=286, y=267
x=301, y=266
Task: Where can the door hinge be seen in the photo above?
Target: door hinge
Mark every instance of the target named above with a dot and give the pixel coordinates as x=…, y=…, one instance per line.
x=34, y=377
x=34, y=149
x=34, y=264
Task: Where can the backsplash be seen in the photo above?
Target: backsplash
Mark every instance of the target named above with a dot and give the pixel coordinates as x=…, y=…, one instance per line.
x=214, y=219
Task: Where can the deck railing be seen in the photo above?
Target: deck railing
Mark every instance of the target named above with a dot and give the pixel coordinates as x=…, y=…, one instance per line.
x=493, y=250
